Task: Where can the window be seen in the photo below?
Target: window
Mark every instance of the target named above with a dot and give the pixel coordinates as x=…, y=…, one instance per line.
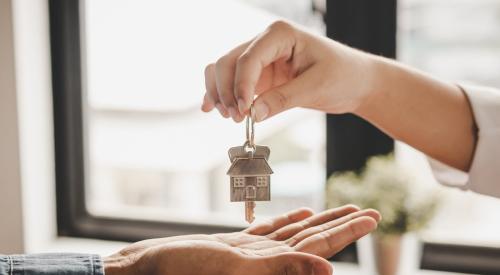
x=136, y=159
x=148, y=144
x=239, y=182
x=133, y=150
x=458, y=41
x=261, y=181
x=135, y=156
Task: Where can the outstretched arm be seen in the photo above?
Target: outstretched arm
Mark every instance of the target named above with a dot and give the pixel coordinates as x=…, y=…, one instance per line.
x=286, y=67
x=431, y=115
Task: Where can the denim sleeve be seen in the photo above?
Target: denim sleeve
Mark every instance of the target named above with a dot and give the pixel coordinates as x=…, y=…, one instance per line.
x=52, y=263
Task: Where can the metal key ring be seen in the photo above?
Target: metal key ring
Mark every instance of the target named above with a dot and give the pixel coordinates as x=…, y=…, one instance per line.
x=249, y=148
x=250, y=127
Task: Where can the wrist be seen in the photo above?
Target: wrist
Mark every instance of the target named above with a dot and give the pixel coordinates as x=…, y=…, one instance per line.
x=379, y=75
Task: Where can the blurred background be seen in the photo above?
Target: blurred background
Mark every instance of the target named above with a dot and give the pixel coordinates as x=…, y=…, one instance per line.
x=142, y=158
x=155, y=153
x=148, y=143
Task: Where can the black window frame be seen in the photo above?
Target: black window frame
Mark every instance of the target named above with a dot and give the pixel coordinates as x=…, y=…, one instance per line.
x=367, y=25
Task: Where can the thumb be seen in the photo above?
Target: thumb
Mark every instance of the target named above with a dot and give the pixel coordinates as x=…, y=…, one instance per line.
x=295, y=263
x=272, y=102
x=281, y=98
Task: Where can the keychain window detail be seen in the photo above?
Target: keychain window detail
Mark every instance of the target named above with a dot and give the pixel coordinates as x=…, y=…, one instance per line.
x=239, y=182
x=261, y=181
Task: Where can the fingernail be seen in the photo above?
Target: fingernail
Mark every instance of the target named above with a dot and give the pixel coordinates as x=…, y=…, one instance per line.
x=205, y=106
x=207, y=103
x=221, y=109
x=242, y=105
x=261, y=111
x=234, y=114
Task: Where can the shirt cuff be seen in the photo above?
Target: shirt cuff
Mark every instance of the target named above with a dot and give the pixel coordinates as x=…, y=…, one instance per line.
x=485, y=170
x=52, y=263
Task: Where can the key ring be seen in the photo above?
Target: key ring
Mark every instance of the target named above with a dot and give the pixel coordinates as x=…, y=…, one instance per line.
x=250, y=129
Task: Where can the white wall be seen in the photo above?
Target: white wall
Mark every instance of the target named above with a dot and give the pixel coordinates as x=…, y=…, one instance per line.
x=27, y=180
x=11, y=229
x=34, y=101
x=27, y=189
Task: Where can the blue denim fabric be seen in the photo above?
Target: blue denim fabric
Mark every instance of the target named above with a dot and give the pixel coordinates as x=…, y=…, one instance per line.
x=53, y=263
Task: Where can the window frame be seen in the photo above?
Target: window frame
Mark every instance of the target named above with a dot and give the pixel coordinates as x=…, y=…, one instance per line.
x=350, y=140
x=73, y=219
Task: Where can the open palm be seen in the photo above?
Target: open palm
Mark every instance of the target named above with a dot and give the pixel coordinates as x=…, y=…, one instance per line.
x=294, y=243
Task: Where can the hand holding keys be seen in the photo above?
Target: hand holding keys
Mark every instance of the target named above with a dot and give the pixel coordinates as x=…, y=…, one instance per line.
x=250, y=173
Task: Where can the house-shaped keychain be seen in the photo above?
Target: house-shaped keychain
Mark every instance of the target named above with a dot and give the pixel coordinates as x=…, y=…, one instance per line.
x=250, y=174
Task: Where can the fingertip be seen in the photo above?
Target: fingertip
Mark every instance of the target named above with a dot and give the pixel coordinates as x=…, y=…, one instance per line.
x=207, y=107
x=352, y=207
x=318, y=265
x=222, y=110
x=298, y=263
x=322, y=268
x=306, y=211
x=239, y=119
x=367, y=224
x=374, y=214
x=208, y=103
x=235, y=115
x=299, y=214
x=243, y=105
x=261, y=111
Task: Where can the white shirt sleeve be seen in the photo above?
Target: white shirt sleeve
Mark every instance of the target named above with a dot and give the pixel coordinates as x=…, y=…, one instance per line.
x=484, y=174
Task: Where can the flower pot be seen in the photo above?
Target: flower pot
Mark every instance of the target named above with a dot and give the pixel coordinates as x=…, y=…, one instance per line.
x=387, y=252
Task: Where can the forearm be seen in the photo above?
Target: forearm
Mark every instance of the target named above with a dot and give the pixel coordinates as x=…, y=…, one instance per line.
x=433, y=116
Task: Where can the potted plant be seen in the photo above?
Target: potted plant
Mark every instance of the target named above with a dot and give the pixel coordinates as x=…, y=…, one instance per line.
x=387, y=187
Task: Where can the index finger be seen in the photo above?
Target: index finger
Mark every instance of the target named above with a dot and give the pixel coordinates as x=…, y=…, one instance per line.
x=331, y=214
x=279, y=222
x=328, y=243
x=276, y=43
